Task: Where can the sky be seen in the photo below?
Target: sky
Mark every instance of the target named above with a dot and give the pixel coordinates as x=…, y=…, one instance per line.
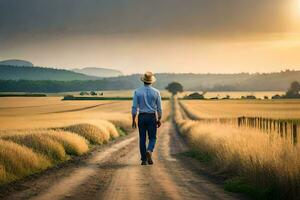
x=198, y=36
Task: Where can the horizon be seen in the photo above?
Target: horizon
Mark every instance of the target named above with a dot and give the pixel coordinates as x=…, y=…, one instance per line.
x=140, y=73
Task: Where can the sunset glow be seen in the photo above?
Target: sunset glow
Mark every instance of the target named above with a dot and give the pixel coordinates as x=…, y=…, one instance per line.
x=298, y=6
x=181, y=36
x=294, y=12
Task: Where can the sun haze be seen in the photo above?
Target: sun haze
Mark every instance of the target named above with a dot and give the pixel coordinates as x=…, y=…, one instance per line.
x=214, y=36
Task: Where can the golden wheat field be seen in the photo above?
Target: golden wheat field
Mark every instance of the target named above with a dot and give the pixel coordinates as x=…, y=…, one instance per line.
x=47, y=112
x=264, y=159
x=38, y=133
x=281, y=109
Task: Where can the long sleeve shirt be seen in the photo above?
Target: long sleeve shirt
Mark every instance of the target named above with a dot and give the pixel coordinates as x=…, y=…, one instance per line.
x=146, y=99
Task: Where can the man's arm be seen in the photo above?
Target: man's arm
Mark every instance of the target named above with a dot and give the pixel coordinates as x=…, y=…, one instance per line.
x=134, y=110
x=159, y=111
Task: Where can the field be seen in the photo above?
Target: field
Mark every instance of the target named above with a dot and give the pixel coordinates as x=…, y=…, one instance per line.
x=259, y=161
x=45, y=112
x=39, y=132
x=281, y=109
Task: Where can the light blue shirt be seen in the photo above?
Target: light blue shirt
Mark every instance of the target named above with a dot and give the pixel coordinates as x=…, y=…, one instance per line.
x=146, y=99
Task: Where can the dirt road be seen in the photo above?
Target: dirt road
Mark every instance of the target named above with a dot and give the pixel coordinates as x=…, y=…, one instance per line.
x=114, y=172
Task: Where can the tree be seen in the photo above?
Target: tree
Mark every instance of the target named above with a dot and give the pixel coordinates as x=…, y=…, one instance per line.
x=295, y=86
x=174, y=88
x=293, y=91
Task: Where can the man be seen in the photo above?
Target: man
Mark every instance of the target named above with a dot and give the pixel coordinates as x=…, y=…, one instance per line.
x=147, y=101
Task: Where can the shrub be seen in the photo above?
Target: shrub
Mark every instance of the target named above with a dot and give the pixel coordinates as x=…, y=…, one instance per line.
x=93, y=93
x=195, y=95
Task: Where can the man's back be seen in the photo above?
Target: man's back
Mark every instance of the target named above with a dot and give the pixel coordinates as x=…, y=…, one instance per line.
x=147, y=99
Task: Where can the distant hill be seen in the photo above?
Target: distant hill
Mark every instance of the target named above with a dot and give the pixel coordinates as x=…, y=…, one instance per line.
x=261, y=82
x=41, y=79
x=8, y=72
x=208, y=82
x=100, y=72
x=222, y=82
x=16, y=62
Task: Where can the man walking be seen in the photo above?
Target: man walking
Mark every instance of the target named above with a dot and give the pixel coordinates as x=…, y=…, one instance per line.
x=147, y=102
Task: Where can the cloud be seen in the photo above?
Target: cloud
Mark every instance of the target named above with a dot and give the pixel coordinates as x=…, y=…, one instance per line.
x=56, y=18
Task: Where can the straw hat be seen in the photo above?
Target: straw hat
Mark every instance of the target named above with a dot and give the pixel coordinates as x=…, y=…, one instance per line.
x=148, y=77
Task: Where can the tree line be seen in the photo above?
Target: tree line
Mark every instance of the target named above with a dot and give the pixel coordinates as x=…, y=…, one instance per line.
x=62, y=86
x=267, y=82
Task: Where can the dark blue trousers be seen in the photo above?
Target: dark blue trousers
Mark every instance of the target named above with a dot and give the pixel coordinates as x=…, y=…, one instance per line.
x=147, y=124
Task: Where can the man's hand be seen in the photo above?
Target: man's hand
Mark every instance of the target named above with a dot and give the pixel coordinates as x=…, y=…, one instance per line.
x=133, y=124
x=133, y=121
x=158, y=123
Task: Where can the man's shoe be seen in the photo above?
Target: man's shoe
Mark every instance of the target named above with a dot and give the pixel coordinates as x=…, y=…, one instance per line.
x=144, y=163
x=149, y=158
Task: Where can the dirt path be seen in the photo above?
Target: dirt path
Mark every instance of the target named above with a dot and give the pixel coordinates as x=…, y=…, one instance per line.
x=114, y=172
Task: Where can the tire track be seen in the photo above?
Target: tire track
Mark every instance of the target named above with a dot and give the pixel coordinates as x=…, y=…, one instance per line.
x=80, y=109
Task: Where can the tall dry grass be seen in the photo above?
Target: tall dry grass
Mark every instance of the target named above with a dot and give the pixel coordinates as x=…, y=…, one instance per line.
x=39, y=143
x=111, y=128
x=95, y=134
x=73, y=144
x=124, y=124
x=18, y=161
x=23, y=152
x=264, y=160
x=4, y=177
